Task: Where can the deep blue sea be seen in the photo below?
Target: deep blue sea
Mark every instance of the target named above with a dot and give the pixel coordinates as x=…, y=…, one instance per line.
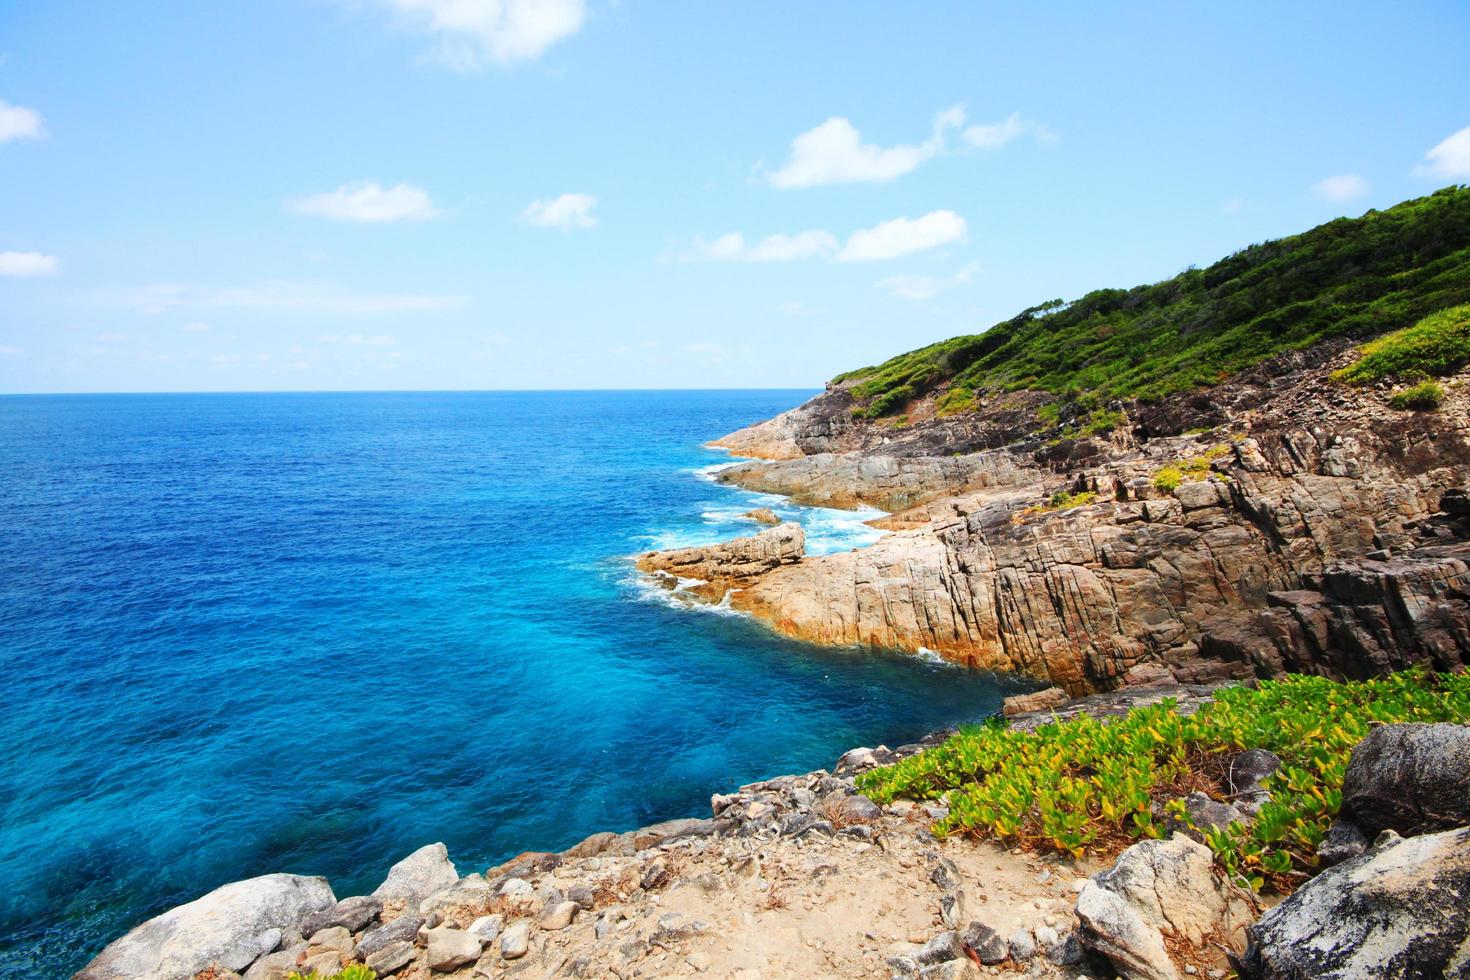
x=311, y=632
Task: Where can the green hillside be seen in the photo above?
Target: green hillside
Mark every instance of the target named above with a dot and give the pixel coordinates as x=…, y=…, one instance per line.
x=1353, y=276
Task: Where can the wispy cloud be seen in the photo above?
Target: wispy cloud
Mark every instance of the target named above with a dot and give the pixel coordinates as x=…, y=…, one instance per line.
x=26, y=265
x=8, y=351
x=834, y=152
x=733, y=247
x=1449, y=159
x=468, y=34
x=920, y=287
x=20, y=123
x=565, y=212
x=1341, y=187
x=196, y=328
x=367, y=202
x=280, y=296
x=358, y=339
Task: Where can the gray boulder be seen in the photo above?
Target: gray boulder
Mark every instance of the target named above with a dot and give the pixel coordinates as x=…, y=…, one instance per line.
x=450, y=949
x=1397, y=912
x=1411, y=778
x=1344, y=841
x=231, y=927
x=1247, y=777
x=1204, y=814
x=418, y=876
x=402, y=929
x=352, y=913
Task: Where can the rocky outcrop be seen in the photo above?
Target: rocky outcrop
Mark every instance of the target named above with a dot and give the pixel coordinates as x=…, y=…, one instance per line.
x=1306, y=534
x=1398, y=911
x=231, y=927
x=711, y=571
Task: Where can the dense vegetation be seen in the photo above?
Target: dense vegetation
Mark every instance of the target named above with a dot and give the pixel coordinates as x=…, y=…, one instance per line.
x=1349, y=277
x=1439, y=344
x=1084, y=785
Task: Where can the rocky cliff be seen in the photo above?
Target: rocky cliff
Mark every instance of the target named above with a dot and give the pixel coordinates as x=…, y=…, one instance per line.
x=1300, y=525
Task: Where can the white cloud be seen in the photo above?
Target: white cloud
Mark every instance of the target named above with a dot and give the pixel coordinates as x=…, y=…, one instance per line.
x=20, y=123
x=24, y=265
x=369, y=202
x=8, y=351
x=772, y=248
x=281, y=297
x=1450, y=160
x=196, y=328
x=111, y=337
x=992, y=136
x=357, y=339
x=834, y=153
x=921, y=288
x=1341, y=187
x=565, y=212
x=471, y=33
x=904, y=236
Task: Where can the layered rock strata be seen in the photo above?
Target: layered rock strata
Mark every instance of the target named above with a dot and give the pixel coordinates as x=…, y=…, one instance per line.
x=1313, y=529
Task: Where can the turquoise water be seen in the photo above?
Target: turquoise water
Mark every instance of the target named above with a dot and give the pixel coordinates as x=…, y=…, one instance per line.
x=310, y=633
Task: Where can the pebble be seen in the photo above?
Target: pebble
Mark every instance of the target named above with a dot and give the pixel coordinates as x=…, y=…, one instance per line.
x=515, y=941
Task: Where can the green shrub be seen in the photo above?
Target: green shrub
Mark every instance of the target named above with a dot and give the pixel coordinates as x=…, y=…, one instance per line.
x=1063, y=499
x=354, y=971
x=955, y=401
x=1189, y=470
x=1421, y=397
x=1360, y=276
x=1439, y=344
x=1086, y=785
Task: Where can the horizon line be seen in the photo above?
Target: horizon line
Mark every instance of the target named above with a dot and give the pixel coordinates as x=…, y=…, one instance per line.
x=384, y=391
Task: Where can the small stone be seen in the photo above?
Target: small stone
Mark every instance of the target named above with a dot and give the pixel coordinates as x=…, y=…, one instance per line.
x=487, y=927
x=515, y=941
x=558, y=916
x=945, y=946
x=325, y=963
x=656, y=876
x=698, y=961
x=390, y=959
x=517, y=888
x=1022, y=945
x=333, y=937
x=449, y=949
x=583, y=896
x=353, y=913
x=986, y=942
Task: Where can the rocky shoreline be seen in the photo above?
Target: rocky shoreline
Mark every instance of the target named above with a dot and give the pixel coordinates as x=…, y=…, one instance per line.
x=802, y=876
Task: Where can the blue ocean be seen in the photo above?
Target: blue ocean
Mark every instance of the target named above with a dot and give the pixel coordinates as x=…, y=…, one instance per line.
x=248, y=633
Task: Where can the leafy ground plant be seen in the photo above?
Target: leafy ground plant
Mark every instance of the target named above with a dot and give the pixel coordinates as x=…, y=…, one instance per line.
x=1439, y=345
x=1087, y=786
x=1422, y=397
x=354, y=971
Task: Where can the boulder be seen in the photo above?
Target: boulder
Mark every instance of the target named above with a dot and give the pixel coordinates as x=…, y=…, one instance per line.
x=558, y=916
x=1020, y=704
x=230, y=927
x=418, y=876
x=945, y=946
x=515, y=941
x=1344, y=841
x=1204, y=814
x=391, y=958
x=449, y=949
x=402, y=929
x=1398, y=911
x=488, y=927
x=469, y=890
x=858, y=809
x=1247, y=777
x=352, y=913
x=1160, y=890
x=763, y=515
x=1410, y=778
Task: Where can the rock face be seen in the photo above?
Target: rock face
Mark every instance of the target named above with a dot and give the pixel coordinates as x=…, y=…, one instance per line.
x=1310, y=538
x=231, y=927
x=1159, y=890
x=418, y=876
x=1410, y=778
x=1398, y=911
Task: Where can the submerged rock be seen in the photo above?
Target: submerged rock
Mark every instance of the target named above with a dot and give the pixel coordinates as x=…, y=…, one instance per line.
x=230, y=927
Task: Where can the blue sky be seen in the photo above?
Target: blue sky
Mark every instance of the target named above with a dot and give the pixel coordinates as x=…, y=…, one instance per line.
x=409, y=194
